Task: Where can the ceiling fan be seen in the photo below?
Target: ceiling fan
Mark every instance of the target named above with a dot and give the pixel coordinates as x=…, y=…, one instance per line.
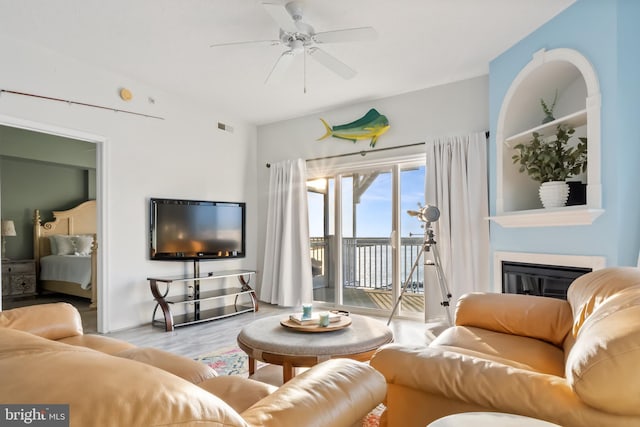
x=299, y=37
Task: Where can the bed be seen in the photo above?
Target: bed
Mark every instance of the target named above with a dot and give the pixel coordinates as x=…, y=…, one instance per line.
x=65, y=251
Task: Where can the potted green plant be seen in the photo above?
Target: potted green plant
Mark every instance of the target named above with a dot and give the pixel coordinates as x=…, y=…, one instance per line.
x=548, y=110
x=551, y=161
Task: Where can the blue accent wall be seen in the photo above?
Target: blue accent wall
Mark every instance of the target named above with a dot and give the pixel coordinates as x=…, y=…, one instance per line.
x=628, y=116
x=606, y=33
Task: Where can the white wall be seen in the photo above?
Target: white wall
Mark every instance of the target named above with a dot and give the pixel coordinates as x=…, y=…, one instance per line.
x=182, y=156
x=452, y=109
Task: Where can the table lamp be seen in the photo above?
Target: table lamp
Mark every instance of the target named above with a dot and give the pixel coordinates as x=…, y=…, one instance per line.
x=8, y=229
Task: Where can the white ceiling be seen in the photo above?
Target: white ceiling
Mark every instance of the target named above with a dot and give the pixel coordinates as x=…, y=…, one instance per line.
x=165, y=43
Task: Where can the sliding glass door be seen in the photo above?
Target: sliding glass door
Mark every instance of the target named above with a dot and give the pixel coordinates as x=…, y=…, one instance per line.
x=363, y=243
x=367, y=273
x=320, y=196
x=412, y=178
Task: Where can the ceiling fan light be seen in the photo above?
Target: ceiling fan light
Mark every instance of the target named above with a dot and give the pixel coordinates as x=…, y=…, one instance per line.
x=297, y=46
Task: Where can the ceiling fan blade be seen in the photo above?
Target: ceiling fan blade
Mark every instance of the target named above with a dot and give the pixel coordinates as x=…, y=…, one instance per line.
x=335, y=65
x=271, y=42
x=346, y=35
x=281, y=16
x=280, y=67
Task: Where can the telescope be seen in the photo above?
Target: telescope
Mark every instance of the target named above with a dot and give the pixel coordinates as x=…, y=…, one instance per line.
x=426, y=213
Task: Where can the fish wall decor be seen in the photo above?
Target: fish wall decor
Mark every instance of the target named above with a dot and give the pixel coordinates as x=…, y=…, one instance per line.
x=371, y=125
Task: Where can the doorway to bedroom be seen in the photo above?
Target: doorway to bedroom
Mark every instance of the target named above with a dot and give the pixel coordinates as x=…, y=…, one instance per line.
x=49, y=173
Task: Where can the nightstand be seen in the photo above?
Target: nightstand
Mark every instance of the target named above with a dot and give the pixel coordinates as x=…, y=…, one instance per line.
x=18, y=278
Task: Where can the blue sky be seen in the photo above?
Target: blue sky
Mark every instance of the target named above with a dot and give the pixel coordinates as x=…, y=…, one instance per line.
x=374, y=210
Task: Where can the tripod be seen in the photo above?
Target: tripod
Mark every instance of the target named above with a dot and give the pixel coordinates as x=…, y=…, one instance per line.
x=429, y=244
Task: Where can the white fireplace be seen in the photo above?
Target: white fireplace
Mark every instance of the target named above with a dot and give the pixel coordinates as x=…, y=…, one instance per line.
x=581, y=261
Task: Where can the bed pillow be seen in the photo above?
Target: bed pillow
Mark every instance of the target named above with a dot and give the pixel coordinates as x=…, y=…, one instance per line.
x=82, y=244
x=71, y=245
x=64, y=245
x=53, y=245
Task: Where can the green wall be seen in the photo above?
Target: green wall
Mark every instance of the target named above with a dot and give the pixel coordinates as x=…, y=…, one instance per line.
x=31, y=145
x=39, y=171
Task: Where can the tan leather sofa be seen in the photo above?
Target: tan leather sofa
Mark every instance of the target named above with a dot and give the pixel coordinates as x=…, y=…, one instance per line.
x=46, y=359
x=575, y=363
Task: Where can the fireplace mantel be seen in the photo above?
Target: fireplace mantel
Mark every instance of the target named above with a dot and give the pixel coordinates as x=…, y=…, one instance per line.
x=550, y=217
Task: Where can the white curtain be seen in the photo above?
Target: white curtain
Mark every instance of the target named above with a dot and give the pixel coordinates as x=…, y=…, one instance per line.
x=456, y=182
x=286, y=278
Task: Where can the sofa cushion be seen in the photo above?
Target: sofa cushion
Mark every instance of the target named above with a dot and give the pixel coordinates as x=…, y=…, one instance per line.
x=466, y=378
x=587, y=292
x=188, y=369
x=602, y=366
x=513, y=350
x=101, y=389
x=337, y=392
x=98, y=342
x=51, y=321
x=239, y=393
x=543, y=318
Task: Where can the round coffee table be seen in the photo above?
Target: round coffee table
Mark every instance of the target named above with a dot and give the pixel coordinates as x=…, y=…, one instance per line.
x=492, y=419
x=268, y=341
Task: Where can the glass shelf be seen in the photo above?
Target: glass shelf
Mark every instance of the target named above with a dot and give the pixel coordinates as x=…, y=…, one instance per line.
x=192, y=300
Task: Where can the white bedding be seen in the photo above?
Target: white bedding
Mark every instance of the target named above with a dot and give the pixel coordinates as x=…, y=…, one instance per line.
x=67, y=268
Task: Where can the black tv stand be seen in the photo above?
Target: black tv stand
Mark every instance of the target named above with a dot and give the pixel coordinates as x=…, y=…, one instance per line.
x=195, y=296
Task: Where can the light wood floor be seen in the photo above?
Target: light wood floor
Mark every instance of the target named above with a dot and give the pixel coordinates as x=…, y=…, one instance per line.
x=196, y=340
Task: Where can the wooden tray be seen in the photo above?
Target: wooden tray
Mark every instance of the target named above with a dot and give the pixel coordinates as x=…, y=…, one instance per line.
x=333, y=326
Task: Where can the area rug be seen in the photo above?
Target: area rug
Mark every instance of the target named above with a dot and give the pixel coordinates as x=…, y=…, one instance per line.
x=227, y=361
x=372, y=419
x=234, y=361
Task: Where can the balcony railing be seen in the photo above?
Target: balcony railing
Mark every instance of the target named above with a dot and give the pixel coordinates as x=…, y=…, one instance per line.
x=367, y=262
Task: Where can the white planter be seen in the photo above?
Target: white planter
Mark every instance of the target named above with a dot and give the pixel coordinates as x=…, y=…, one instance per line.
x=554, y=194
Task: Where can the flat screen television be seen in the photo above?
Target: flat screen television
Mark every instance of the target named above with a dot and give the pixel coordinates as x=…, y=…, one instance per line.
x=196, y=229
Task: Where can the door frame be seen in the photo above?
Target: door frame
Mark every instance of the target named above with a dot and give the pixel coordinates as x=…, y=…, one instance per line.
x=336, y=172
x=101, y=197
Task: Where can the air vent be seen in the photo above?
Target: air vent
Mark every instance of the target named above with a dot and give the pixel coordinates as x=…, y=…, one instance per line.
x=225, y=127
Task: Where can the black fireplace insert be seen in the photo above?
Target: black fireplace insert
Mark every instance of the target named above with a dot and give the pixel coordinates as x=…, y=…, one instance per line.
x=537, y=279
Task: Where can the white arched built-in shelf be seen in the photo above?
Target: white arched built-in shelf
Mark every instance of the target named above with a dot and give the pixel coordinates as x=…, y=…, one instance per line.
x=569, y=74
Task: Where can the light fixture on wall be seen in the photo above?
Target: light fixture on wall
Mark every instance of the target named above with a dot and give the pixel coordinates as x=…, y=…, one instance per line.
x=8, y=229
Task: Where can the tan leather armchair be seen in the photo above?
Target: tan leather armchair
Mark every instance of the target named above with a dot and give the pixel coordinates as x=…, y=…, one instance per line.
x=573, y=363
x=46, y=359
